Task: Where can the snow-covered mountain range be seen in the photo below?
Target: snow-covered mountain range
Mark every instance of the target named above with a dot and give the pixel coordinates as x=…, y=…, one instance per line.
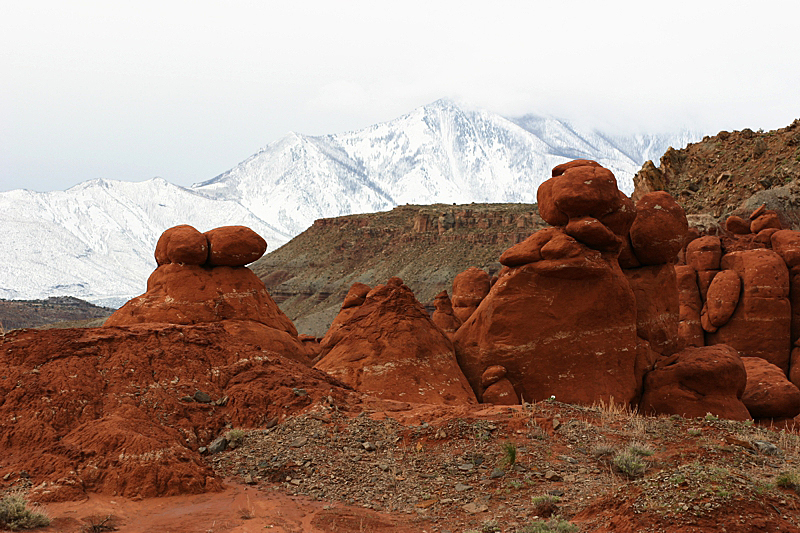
x=95, y=241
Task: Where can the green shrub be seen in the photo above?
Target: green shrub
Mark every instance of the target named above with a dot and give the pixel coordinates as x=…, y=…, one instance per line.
x=15, y=514
x=509, y=453
x=642, y=450
x=629, y=464
x=234, y=437
x=554, y=525
x=788, y=480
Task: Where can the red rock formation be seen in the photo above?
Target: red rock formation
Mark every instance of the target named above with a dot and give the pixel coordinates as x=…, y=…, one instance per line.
x=697, y=381
x=182, y=244
x=469, y=289
x=761, y=323
x=234, y=246
x=563, y=326
x=356, y=296
x=110, y=409
x=737, y=225
x=443, y=314
x=659, y=229
x=690, y=331
x=722, y=298
x=496, y=387
x=768, y=219
x=768, y=393
x=183, y=293
x=389, y=347
x=657, y=306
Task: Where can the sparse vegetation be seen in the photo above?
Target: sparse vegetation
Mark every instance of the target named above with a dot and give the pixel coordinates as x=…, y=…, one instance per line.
x=509, y=453
x=695, y=432
x=629, y=464
x=789, y=480
x=554, y=525
x=234, y=437
x=15, y=513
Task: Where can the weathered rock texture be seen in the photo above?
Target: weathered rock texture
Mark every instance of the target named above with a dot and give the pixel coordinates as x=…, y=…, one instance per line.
x=388, y=346
x=194, y=292
x=769, y=394
x=109, y=410
x=697, y=381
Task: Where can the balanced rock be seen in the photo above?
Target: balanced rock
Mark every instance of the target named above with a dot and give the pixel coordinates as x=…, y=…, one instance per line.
x=659, y=229
x=389, y=347
x=697, y=381
x=182, y=244
x=234, y=246
x=180, y=292
x=768, y=393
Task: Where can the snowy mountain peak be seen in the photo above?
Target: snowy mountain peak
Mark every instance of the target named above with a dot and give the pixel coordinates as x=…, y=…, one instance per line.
x=96, y=240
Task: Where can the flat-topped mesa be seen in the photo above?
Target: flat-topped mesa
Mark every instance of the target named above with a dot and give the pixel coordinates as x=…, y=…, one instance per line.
x=201, y=278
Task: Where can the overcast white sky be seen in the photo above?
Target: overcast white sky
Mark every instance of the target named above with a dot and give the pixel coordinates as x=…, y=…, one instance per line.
x=186, y=90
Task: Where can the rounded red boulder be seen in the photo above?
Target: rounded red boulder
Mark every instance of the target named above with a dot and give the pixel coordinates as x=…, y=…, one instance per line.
x=234, y=246
x=769, y=394
x=697, y=381
x=182, y=244
x=659, y=230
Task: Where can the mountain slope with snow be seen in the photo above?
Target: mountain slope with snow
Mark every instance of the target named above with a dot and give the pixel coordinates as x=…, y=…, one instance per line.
x=95, y=241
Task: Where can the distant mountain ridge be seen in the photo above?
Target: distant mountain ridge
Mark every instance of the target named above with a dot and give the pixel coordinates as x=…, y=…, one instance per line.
x=95, y=241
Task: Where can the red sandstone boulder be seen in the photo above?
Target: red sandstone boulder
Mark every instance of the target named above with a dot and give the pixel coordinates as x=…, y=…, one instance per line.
x=563, y=167
x=179, y=292
x=768, y=393
x=497, y=389
x=722, y=297
x=697, y=381
x=704, y=280
x=356, y=295
x=547, y=206
x=737, y=225
x=761, y=323
x=469, y=289
x=769, y=219
x=794, y=301
x=443, y=314
x=593, y=233
x=390, y=348
x=234, y=246
x=704, y=253
x=787, y=244
x=659, y=230
x=563, y=326
x=585, y=190
x=657, y=306
x=690, y=332
x=182, y=244
x=529, y=250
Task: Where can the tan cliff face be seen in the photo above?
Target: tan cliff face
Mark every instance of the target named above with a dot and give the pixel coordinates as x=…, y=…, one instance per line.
x=427, y=246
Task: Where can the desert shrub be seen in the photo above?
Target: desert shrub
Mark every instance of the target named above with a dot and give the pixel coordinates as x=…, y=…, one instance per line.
x=640, y=449
x=554, y=525
x=509, y=453
x=15, y=513
x=603, y=451
x=629, y=464
x=789, y=480
x=545, y=505
x=234, y=437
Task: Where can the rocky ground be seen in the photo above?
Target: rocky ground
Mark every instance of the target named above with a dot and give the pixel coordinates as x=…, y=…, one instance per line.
x=719, y=173
x=402, y=467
